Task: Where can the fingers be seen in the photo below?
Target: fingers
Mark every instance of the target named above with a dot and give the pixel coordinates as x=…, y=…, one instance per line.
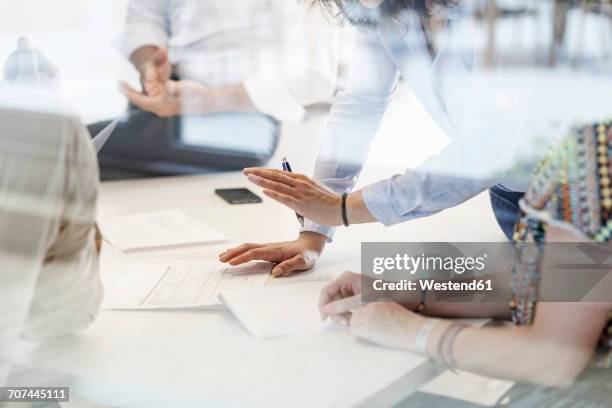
x=161, y=57
x=149, y=73
x=346, y=286
x=344, y=305
x=283, y=199
x=142, y=101
x=263, y=253
x=295, y=264
x=273, y=185
x=234, y=252
x=273, y=175
x=342, y=319
x=328, y=293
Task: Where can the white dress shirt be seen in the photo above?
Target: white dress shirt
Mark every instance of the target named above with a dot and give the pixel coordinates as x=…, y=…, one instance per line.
x=483, y=115
x=49, y=280
x=284, y=54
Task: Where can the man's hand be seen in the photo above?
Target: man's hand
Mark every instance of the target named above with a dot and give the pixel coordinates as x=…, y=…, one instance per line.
x=154, y=67
x=189, y=97
x=173, y=99
x=290, y=257
x=300, y=193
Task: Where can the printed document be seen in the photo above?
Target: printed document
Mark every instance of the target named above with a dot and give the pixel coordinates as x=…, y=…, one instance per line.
x=157, y=230
x=277, y=311
x=155, y=286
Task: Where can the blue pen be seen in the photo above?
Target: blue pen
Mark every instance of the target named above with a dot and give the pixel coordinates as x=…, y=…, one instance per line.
x=287, y=168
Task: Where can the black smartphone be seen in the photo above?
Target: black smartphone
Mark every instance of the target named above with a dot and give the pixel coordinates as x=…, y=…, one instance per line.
x=238, y=196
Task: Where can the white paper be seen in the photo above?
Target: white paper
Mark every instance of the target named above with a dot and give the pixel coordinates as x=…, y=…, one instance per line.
x=101, y=138
x=154, y=286
x=469, y=387
x=277, y=311
x=157, y=230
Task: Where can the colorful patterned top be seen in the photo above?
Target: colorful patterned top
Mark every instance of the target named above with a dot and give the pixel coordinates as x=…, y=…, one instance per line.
x=571, y=188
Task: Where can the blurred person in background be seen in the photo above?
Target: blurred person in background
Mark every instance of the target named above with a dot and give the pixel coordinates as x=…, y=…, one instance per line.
x=49, y=247
x=217, y=78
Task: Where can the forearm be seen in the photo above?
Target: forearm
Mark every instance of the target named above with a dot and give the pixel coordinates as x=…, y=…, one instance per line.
x=234, y=98
x=487, y=310
x=230, y=98
x=515, y=353
x=552, y=351
x=356, y=210
x=314, y=241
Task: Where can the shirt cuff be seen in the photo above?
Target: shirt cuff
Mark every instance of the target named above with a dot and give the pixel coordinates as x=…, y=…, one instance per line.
x=376, y=198
x=270, y=96
x=140, y=35
x=310, y=226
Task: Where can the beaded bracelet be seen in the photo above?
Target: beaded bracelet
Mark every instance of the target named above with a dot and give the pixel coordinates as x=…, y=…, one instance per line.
x=446, y=342
x=423, y=335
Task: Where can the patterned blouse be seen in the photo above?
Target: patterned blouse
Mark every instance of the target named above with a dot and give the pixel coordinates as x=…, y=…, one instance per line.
x=572, y=186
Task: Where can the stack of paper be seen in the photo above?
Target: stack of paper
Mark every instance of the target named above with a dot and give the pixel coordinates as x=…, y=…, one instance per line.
x=156, y=230
x=155, y=286
x=277, y=311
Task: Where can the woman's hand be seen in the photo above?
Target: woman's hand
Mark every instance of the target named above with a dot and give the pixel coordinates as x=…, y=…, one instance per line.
x=340, y=297
x=290, y=257
x=300, y=193
x=387, y=324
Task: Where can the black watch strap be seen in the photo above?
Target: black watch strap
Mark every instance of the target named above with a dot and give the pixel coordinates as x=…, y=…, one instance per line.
x=344, y=215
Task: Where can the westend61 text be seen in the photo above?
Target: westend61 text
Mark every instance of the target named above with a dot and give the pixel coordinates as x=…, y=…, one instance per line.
x=476, y=285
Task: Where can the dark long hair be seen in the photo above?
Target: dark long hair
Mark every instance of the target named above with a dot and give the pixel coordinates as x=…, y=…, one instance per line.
x=353, y=12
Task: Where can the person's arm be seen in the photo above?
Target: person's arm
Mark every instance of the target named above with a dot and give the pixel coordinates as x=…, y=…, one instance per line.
x=301, y=71
x=553, y=351
x=31, y=187
x=28, y=204
x=146, y=30
x=69, y=290
x=303, y=67
x=345, y=294
x=354, y=120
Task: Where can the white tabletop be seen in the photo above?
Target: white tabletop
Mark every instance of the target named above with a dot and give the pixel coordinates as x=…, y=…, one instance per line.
x=205, y=357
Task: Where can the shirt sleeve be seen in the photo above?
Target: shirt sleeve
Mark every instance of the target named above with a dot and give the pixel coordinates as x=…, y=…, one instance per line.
x=355, y=118
x=28, y=205
x=69, y=291
x=49, y=277
x=303, y=67
x=482, y=152
x=147, y=24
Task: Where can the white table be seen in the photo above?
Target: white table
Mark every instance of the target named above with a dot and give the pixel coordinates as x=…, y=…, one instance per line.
x=161, y=359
